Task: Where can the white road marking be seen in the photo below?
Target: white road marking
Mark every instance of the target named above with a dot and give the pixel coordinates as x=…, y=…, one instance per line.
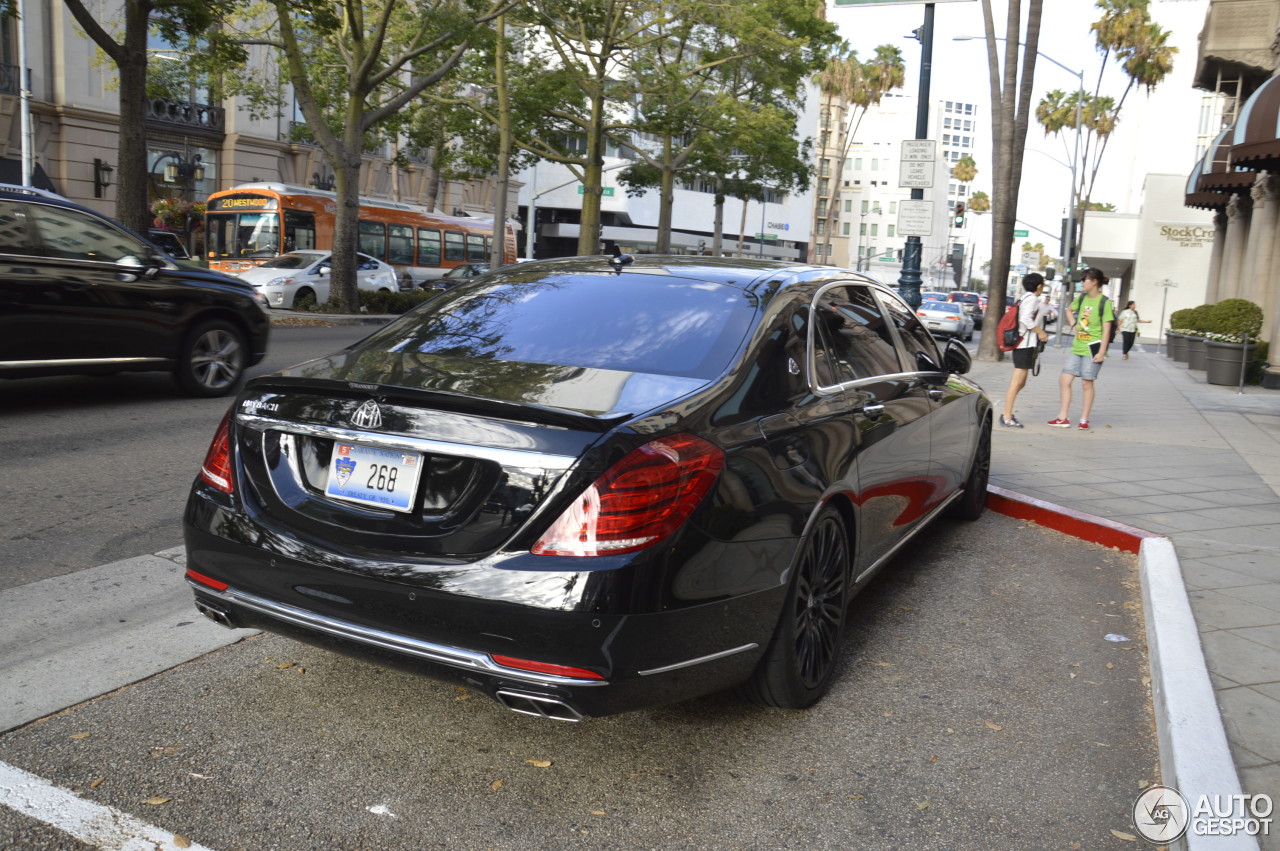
x=105, y=828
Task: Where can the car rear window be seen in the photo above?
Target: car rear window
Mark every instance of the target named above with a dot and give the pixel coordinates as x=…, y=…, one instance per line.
x=633, y=322
x=970, y=298
x=291, y=261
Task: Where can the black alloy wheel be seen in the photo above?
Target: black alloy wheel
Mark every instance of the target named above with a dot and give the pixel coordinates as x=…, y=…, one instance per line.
x=796, y=669
x=974, y=500
x=212, y=360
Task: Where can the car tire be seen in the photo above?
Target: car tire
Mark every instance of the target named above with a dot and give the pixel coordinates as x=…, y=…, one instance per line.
x=212, y=359
x=968, y=337
x=302, y=296
x=796, y=669
x=973, y=500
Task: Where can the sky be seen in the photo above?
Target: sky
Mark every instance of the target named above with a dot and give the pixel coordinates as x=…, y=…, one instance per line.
x=1156, y=133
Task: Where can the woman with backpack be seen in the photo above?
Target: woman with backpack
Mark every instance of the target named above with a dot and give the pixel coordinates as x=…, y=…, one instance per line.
x=1031, y=313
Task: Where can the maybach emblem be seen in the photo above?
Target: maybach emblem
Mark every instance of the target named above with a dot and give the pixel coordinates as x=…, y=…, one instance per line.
x=368, y=415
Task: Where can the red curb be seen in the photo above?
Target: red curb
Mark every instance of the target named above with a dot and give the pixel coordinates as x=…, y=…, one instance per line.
x=1087, y=527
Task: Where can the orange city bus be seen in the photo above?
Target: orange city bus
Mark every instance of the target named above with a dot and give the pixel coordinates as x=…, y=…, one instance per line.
x=254, y=222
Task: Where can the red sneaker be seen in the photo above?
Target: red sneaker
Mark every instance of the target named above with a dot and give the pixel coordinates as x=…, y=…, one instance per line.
x=1060, y=423
x=1084, y=425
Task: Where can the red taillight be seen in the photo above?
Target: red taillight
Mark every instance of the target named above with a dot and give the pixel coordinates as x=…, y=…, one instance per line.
x=546, y=668
x=637, y=502
x=216, y=470
x=204, y=580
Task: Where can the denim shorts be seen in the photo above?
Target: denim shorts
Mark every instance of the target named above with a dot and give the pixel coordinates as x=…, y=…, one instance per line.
x=1082, y=366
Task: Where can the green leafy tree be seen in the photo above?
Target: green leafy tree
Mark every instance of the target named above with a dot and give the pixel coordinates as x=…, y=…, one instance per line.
x=695, y=87
x=124, y=42
x=354, y=68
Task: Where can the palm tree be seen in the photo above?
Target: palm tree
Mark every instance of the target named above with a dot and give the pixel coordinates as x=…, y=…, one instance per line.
x=860, y=85
x=965, y=169
x=1126, y=32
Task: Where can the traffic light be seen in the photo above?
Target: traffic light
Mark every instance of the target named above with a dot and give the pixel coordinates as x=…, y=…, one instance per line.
x=959, y=221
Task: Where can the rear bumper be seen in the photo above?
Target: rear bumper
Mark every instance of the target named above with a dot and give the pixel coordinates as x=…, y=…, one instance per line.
x=642, y=660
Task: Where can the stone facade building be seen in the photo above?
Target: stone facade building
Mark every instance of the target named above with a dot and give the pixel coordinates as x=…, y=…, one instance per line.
x=1238, y=179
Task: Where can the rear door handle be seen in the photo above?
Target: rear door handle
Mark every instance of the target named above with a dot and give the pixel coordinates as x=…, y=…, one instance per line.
x=935, y=394
x=872, y=411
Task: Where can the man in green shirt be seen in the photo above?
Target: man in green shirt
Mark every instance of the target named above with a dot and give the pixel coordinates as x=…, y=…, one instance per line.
x=1094, y=318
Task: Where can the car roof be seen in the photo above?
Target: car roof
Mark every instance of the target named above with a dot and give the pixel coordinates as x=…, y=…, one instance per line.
x=743, y=272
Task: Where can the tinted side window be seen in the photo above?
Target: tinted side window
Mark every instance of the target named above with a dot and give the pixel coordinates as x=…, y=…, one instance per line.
x=373, y=239
x=428, y=247
x=475, y=248
x=851, y=337
x=922, y=351
x=14, y=238
x=79, y=236
x=453, y=246
x=400, y=244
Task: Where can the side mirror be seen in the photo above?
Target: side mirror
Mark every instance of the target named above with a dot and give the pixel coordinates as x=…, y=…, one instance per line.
x=323, y=270
x=956, y=357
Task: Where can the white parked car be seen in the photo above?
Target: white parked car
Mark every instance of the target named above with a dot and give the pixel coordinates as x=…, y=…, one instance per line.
x=300, y=275
x=945, y=319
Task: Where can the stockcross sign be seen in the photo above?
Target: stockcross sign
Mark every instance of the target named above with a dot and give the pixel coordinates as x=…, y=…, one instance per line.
x=606, y=192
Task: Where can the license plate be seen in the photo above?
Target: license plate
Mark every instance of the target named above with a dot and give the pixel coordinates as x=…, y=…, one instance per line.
x=935, y=324
x=382, y=477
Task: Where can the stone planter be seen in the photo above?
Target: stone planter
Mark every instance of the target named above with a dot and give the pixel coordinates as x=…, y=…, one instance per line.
x=1178, y=347
x=1195, y=352
x=1223, y=361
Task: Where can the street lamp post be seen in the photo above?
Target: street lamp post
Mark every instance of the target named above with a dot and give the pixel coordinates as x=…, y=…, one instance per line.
x=1164, y=300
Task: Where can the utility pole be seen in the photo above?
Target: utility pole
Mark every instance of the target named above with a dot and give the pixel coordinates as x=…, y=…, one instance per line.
x=909, y=282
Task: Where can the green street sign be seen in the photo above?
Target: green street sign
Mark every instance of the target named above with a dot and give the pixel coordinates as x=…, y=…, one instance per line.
x=606, y=192
x=767, y=236
x=1022, y=234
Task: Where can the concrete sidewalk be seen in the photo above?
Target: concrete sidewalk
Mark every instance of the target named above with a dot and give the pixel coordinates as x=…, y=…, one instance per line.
x=1170, y=454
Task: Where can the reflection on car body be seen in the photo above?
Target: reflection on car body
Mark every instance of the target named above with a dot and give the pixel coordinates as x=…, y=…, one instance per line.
x=680, y=496
x=302, y=276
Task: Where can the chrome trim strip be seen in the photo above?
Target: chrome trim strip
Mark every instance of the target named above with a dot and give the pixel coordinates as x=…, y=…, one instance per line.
x=923, y=523
x=455, y=657
x=79, y=361
x=505, y=457
x=691, y=662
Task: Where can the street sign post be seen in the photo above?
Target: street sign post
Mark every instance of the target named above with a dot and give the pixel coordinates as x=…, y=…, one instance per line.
x=1021, y=234
x=915, y=218
x=916, y=173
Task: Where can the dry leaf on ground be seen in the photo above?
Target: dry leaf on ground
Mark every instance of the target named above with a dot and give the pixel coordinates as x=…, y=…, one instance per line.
x=540, y=763
x=158, y=799
x=496, y=785
x=1127, y=837
x=993, y=725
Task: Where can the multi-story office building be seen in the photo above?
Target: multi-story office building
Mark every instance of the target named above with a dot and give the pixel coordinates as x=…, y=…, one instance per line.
x=857, y=195
x=196, y=145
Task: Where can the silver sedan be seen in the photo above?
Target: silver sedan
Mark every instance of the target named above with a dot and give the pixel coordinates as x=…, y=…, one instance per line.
x=945, y=319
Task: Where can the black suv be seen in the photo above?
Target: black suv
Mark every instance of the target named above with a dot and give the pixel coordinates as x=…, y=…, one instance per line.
x=81, y=294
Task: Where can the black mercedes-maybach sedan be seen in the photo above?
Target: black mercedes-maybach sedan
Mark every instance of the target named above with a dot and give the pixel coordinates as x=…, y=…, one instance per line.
x=591, y=485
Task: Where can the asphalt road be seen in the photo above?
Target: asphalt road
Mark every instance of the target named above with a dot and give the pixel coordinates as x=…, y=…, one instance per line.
x=98, y=468
x=980, y=705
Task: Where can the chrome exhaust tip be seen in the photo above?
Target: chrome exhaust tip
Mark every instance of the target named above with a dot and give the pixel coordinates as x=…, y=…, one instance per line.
x=539, y=705
x=217, y=614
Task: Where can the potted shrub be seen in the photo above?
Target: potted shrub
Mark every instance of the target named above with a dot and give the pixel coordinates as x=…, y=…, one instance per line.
x=1232, y=336
x=1199, y=321
x=1178, y=321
